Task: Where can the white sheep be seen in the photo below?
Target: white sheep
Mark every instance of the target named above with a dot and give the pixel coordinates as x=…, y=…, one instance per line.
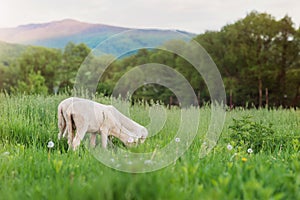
x=92, y=117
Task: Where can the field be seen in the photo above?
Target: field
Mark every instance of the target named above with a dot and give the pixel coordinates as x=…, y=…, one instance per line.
x=30, y=170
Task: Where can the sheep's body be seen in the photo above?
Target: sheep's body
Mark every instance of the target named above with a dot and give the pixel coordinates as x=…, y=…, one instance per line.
x=88, y=116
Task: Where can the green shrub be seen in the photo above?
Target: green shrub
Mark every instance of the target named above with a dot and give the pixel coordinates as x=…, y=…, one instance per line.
x=250, y=134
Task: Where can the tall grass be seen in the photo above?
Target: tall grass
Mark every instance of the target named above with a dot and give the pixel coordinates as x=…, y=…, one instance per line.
x=29, y=170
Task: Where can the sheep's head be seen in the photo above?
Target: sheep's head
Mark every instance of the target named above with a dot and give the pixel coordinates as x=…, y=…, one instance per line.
x=125, y=136
x=131, y=139
x=139, y=138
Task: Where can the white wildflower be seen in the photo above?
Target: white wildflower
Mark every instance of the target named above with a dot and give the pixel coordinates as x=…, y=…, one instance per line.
x=50, y=144
x=250, y=150
x=177, y=139
x=229, y=147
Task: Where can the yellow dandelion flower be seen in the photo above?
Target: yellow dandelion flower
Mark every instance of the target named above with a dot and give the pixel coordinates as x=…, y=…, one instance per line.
x=244, y=159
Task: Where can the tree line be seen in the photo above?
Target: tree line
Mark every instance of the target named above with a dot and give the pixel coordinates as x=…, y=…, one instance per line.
x=259, y=59
x=40, y=70
x=257, y=56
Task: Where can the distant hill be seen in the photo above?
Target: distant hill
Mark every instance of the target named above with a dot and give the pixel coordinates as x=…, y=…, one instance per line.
x=57, y=34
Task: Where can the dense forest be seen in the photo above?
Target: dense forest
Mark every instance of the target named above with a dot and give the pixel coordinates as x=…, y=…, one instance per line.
x=257, y=56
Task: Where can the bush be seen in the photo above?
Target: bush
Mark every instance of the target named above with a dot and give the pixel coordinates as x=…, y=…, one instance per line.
x=250, y=134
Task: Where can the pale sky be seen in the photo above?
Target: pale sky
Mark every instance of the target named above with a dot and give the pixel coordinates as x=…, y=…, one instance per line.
x=190, y=15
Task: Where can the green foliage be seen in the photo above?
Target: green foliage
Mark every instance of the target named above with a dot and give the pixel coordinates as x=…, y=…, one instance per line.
x=255, y=53
x=35, y=84
x=72, y=58
x=40, y=70
x=250, y=134
x=10, y=52
x=260, y=136
x=36, y=70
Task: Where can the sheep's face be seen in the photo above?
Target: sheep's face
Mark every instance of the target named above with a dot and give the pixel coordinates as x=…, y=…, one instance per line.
x=140, y=138
x=131, y=139
x=127, y=139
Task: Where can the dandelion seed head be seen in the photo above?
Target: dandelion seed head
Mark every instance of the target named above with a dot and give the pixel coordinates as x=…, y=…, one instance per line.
x=177, y=139
x=250, y=150
x=229, y=147
x=50, y=144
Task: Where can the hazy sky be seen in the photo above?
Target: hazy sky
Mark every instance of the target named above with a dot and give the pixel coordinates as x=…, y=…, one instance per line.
x=190, y=15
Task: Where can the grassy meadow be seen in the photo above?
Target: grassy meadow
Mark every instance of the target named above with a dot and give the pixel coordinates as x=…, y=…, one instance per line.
x=30, y=170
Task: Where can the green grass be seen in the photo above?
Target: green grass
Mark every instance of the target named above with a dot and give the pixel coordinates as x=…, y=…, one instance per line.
x=28, y=170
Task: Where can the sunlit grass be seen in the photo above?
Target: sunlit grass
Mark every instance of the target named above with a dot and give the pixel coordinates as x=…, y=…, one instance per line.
x=29, y=170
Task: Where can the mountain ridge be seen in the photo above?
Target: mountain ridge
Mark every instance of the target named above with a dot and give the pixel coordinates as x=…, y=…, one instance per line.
x=57, y=34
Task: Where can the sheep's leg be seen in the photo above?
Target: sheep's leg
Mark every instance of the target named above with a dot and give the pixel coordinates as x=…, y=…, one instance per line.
x=81, y=129
x=65, y=133
x=78, y=137
x=61, y=122
x=70, y=137
x=59, y=134
x=76, y=141
x=93, y=140
x=104, y=136
x=104, y=140
x=104, y=129
x=70, y=130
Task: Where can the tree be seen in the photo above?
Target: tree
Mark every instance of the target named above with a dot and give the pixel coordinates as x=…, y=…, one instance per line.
x=286, y=54
x=251, y=52
x=35, y=84
x=256, y=33
x=293, y=74
x=73, y=56
x=219, y=46
x=37, y=66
